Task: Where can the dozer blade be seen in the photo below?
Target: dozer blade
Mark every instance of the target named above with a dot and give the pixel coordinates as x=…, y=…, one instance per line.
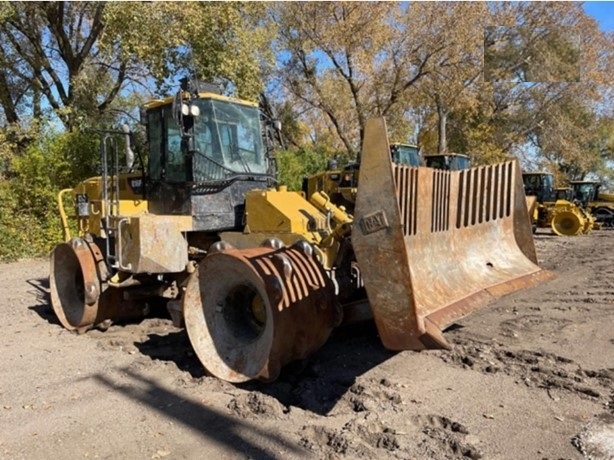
x=435, y=245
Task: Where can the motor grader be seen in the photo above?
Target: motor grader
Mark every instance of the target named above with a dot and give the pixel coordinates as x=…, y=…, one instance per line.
x=555, y=208
x=259, y=276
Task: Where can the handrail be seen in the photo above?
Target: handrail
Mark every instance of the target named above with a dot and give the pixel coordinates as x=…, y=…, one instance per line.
x=63, y=216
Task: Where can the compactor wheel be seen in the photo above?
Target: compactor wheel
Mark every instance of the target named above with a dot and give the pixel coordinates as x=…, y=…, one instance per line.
x=589, y=222
x=249, y=312
x=74, y=284
x=80, y=297
x=588, y=225
x=567, y=223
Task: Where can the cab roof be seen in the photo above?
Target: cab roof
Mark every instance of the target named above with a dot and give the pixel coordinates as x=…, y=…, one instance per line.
x=426, y=155
x=169, y=100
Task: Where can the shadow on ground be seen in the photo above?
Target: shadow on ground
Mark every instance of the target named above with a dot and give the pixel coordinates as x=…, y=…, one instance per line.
x=314, y=384
x=210, y=423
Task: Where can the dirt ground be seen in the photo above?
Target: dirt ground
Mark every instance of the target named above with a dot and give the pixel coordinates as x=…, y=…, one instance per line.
x=530, y=377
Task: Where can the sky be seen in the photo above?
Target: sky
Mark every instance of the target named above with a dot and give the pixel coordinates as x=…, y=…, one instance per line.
x=603, y=12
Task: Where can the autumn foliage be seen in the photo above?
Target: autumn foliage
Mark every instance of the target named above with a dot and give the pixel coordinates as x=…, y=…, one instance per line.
x=491, y=80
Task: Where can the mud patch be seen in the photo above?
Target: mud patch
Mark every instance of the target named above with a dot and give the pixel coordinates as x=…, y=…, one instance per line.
x=533, y=368
x=532, y=323
x=323, y=440
x=254, y=405
x=596, y=440
x=443, y=436
x=370, y=395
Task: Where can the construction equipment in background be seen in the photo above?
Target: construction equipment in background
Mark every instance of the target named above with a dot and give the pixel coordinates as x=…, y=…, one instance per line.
x=447, y=161
x=340, y=185
x=599, y=204
x=260, y=276
x=554, y=208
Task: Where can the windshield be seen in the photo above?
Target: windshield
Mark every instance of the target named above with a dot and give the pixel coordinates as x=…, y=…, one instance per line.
x=405, y=155
x=437, y=162
x=448, y=162
x=457, y=163
x=227, y=140
x=585, y=192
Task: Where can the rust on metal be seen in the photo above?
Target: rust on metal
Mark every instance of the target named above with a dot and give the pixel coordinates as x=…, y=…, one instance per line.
x=74, y=283
x=248, y=312
x=80, y=296
x=150, y=243
x=453, y=241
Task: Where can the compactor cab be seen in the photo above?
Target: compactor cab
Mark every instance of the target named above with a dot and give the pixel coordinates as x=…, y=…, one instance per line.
x=448, y=161
x=205, y=152
x=539, y=185
x=405, y=154
x=260, y=276
x=599, y=204
x=585, y=191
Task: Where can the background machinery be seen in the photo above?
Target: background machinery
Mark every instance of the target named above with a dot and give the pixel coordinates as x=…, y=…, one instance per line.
x=447, y=161
x=260, y=276
x=340, y=185
x=555, y=207
x=599, y=204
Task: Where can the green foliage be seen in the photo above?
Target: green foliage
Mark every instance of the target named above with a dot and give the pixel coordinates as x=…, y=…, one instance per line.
x=217, y=41
x=29, y=219
x=294, y=165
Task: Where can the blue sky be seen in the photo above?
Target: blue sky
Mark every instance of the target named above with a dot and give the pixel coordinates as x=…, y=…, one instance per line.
x=603, y=12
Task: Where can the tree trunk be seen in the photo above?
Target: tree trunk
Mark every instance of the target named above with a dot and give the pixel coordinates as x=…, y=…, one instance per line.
x=442, y=141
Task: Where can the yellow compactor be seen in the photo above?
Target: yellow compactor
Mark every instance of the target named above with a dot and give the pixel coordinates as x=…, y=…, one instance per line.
x=600, y=204
x=260, y=276
x=555, y=208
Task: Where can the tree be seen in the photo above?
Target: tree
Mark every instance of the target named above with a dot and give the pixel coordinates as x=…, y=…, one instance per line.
x=223, y=42
x=347, y=62
x=79, y=58
x=56, y=44
x=533, y=72
x=452, y=85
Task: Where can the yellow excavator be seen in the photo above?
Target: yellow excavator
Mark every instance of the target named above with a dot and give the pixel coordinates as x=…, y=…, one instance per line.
x=259, y=276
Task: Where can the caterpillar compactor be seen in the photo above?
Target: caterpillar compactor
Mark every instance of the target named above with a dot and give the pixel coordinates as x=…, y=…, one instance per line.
x=556, y=208
x=597, y=202
x=260, y=276
x=341, y=185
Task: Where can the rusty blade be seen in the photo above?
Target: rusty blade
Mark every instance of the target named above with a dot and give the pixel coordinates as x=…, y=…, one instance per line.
x=435, y=245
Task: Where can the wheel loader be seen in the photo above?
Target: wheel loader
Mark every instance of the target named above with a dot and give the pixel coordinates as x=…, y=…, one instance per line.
x=555, y=208
x=260, y=276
